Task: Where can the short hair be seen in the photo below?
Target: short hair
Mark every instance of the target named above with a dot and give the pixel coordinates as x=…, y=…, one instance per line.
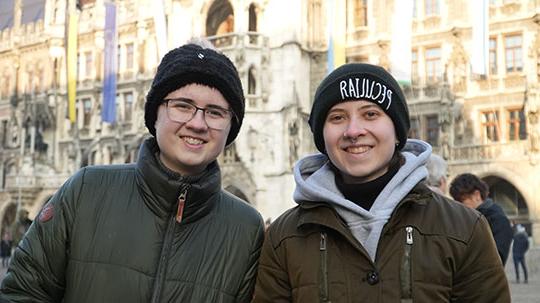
x=466, y=184
x=437, y=169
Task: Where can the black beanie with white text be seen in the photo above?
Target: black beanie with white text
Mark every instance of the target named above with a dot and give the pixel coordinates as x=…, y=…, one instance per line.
x=359, y=81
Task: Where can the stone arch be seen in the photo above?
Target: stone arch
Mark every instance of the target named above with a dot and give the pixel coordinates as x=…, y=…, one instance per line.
x=509, y=198
x=220, y=18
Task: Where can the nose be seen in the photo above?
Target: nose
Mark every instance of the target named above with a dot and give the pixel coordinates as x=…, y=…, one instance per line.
x=355, y=128
x=197, y=122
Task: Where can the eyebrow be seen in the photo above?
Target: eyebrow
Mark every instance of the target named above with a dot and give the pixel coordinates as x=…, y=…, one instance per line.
x=365, y=106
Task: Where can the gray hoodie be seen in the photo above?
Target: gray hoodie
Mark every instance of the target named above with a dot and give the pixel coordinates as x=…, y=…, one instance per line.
x=315, y=181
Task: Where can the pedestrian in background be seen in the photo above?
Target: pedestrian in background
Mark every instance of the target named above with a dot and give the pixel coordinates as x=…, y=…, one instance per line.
x=159, y=230
x=367, y=228
x=473, y=192
x=437, y=174
x=519, y=249
x=5, y=249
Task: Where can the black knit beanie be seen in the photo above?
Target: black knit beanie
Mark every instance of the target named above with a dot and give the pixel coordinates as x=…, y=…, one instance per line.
x=359, y=81
x=189, y=64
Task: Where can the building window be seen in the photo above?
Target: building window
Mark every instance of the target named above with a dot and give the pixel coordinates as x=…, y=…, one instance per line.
x=414, y=65
x=431, y=7
x=493, y=56
x=490, y=126
x=252, y=83
x=128, y=106
x=130, y=60
x=87, y=110
x=414, y=131
x=433, y=64
x=432, y=129
x=88, y=63
x=513, y=53
x=118, y=58
x=516, y=125
x=252, y=21
x=360, y=13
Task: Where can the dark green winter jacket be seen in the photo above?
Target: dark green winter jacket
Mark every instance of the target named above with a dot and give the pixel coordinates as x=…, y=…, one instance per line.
x=110, y=234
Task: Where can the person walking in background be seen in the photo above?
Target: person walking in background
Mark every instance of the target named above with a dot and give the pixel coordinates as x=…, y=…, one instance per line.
x=366, y=227
x=161, y=229
x=5, y=249
x=473, y=192
x=519, y=249
x=437, y=174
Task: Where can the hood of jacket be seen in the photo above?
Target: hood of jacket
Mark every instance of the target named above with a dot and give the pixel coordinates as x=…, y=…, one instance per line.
x=315, y=182
x=161, y=187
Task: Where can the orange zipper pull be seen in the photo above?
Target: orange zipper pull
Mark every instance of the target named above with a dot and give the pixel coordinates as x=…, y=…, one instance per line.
x=181, y=204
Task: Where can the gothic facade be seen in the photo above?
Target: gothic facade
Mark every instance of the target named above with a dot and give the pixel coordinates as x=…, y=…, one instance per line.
x=486, y=125
x=280, y=64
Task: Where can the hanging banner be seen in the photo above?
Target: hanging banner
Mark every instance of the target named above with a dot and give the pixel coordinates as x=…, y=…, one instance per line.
x=161, y=29
x=108, y=112
x=336, y=34
x=72, y=64
x=401, y=43
x=480, y=37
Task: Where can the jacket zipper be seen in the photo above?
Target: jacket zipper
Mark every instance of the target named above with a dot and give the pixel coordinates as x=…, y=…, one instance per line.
x=406, y=267
x=323, y=293
x=167, y=242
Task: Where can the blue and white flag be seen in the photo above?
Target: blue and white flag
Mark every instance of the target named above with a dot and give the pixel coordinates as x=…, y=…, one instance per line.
x=108, y=111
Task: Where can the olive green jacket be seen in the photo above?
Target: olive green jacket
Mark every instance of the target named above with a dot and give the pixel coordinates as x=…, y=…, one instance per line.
x=432, y=249
x=114, y=237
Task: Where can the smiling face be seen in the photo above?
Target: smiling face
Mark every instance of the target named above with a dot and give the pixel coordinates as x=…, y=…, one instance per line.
x=360, y=140
x=189, y=147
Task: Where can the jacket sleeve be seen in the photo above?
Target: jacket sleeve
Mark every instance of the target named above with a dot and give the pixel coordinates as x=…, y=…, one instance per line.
x=480, y=277
x=37, y=269
x=272, y=280
x=245, y=293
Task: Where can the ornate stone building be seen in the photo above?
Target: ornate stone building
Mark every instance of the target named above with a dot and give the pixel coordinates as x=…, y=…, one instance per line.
x=280, y=64
x=487, y=125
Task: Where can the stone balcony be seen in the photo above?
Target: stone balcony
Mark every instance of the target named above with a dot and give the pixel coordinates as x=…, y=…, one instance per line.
x=489, y=152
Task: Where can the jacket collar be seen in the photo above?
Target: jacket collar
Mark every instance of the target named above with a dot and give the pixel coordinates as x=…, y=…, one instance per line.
x=323, y=214
x=161, y=186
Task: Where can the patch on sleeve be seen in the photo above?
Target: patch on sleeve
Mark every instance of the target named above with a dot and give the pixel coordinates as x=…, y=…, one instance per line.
x=46, y=213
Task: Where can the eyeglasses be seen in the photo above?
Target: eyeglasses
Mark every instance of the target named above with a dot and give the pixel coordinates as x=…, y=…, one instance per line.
x=183, y=111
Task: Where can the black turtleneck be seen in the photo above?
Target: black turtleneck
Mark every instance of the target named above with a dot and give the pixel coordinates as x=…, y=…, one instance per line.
x=364, y=194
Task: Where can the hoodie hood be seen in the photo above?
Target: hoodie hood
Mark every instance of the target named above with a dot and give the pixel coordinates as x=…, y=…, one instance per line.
x=315, y=182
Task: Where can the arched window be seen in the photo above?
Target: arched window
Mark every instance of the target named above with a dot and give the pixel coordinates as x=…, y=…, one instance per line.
x=252, y=26
x=252, y=82
x=220, y=18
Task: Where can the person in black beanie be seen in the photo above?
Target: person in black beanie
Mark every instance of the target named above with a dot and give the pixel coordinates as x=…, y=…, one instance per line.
x=366, y=227
x=159, y=230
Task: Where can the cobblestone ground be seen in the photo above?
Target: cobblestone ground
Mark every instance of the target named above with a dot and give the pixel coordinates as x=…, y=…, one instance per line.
x=521, y=293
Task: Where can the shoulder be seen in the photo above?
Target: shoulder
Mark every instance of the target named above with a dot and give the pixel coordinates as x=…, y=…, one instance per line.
x=107, y=173
x=237, y=209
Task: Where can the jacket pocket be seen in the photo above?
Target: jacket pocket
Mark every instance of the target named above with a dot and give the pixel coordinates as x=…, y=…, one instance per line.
x=406, y=267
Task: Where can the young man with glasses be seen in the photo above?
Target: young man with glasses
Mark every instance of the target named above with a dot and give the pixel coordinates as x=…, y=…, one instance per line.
x=159, y=230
